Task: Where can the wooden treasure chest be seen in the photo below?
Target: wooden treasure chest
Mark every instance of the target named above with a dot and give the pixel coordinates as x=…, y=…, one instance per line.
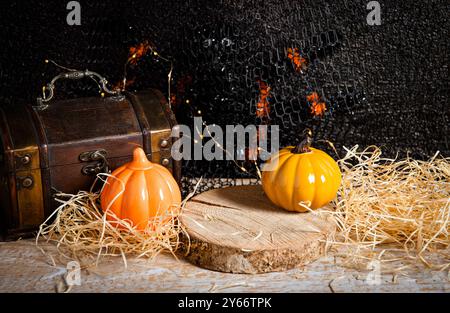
x=61, y=145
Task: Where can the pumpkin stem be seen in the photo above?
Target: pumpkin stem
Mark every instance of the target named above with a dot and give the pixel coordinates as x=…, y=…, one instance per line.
x=140, y=160
x=304, y=145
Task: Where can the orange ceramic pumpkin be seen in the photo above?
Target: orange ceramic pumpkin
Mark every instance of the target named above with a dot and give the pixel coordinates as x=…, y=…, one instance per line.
x=150, y=191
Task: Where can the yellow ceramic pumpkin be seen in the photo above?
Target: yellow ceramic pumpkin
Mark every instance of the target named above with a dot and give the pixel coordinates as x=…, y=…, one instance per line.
x=303, y=175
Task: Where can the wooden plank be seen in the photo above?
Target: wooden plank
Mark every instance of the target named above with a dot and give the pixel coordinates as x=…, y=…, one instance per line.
x=237, y=229
x=23, y=268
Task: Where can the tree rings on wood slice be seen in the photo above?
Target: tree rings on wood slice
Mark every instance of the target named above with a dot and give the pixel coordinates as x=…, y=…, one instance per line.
x=238, y=230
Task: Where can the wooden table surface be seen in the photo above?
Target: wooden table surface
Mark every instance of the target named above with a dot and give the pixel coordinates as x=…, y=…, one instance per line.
x=24, y=268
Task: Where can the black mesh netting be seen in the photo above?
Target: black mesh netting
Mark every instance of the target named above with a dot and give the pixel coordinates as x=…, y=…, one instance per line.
x=386, y=85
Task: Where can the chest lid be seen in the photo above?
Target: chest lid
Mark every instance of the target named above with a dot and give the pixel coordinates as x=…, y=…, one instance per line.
x=71, y=128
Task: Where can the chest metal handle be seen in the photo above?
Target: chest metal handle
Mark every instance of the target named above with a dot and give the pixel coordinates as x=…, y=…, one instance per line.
x=73, y=75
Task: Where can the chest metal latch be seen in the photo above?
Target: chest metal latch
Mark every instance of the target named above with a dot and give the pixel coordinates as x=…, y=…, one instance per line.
x=100, y=165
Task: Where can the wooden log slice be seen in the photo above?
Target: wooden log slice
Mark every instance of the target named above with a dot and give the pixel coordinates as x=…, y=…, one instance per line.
x=238, y=230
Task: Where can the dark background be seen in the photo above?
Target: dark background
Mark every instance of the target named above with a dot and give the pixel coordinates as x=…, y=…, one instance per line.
x=386, y=85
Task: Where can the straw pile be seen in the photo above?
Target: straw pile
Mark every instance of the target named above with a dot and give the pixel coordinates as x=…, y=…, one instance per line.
x=401, y=207
x=82, y=231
